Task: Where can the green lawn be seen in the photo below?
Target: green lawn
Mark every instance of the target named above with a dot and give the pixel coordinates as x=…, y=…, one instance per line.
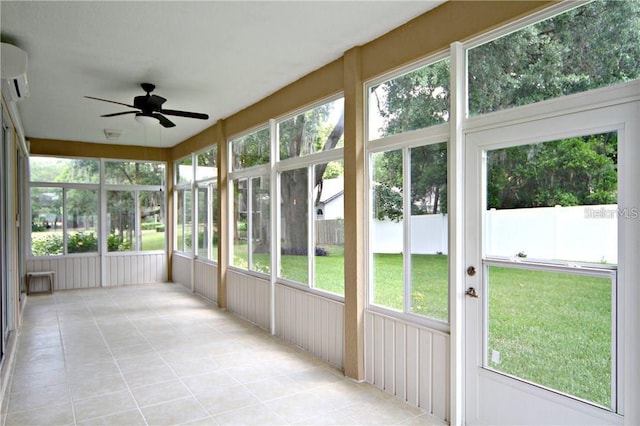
x=553, y=329
x=152, y=240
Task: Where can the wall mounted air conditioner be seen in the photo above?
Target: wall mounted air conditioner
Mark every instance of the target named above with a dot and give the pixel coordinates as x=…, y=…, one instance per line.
x=13, y=70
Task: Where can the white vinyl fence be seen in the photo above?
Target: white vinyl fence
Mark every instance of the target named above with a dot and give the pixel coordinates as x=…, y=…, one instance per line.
x=579, y=233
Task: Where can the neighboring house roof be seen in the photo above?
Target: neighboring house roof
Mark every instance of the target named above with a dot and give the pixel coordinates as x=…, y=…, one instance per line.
x=332, y=189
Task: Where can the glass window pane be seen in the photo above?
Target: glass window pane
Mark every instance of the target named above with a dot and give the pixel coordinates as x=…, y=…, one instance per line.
x=183, y=219
x=206, y=167
x=553, y=329
x=67, y=170
x=554, y=200
x=121, y=221
x=429, y=231
x=592, y=46
x=46, y=221
x=316, y=130
x=415, y=100
x=294, y=219
x=81, y=207
x=203, y=221
x=215, y=237
x=251, y=150
x=260, y=224
x=240, y=248
x=184, y=172
x=133, y=172
x=328, y=196
x=152, y=222
x=387, y=230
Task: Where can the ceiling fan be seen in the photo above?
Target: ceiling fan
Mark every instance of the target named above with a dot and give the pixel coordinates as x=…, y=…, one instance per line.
x=151, y=106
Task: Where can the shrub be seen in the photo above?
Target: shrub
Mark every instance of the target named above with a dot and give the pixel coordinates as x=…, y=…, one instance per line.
x=302, y=251
x=47, y=245
x=82, y=242
x=118, y=243
x=146, y=226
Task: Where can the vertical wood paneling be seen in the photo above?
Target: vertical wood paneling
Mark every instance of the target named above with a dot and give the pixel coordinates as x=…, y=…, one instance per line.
x=413, y=370
x=409, y=361
x=440, y=376
x=312, y=322
x=369, y=341
x=378, y=352
x=248, y=297
x=135, y=269
x=425, y=387
x=206, y=280
x=70, y=272
x=400, y=360
x=389, y=356
x=182, y=270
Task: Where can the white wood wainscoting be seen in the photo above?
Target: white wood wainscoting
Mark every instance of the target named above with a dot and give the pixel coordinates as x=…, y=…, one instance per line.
x=249, y=297
x=312, y=322
x=181, y=270
x=408, y=361
x=84, y=271
x=206, y=280
x=139, y=268
x=70, y=272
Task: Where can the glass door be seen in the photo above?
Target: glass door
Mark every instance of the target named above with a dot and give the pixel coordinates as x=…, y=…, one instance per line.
x=542, y=302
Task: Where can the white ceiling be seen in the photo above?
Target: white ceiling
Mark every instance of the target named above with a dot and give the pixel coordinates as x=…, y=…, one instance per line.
x=215, y=57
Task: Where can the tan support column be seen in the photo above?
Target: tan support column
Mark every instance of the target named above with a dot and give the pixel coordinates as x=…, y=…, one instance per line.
x=168, y=222
x=223, y=213
x=354, y=216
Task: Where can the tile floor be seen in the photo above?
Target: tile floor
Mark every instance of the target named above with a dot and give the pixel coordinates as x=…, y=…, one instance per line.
x=158, y=355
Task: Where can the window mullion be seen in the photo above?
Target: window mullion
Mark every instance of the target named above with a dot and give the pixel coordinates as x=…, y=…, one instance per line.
x=249, y=205
x=406, y=225
x=64, y=222
x=311, y=243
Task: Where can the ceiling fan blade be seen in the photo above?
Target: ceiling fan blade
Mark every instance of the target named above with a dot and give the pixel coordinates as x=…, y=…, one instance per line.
x=115, y=114
x=164, y=121
x=107, y=100
x=185, y=114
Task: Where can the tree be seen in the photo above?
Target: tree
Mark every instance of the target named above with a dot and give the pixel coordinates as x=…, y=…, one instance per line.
x=588, y=47
x=568, y=172
x=413, y=101
x=303, y=135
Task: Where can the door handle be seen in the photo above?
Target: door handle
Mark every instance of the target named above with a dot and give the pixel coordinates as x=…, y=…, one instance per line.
x=471, y=291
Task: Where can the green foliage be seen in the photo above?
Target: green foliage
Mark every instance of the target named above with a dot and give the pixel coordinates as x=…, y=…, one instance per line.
x=82, y=242
x=568, y=172
x=47, y=245
x=145, y=226
x=387, y=203
x=118, y=243
x=588, y=47
x=252, y=149
x=592, y=46
x=416, y=100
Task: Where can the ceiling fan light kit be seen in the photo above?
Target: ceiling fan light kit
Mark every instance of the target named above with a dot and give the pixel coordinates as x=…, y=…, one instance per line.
x=149, y=109
x=146, y=120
